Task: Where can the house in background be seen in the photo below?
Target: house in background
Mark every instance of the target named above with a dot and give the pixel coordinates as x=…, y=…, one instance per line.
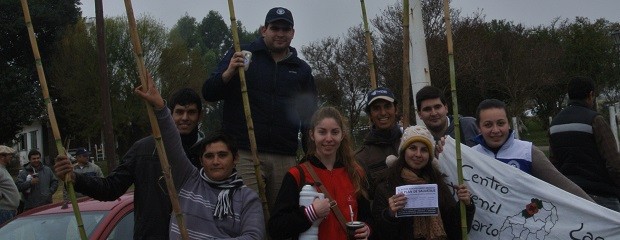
x=33, y=136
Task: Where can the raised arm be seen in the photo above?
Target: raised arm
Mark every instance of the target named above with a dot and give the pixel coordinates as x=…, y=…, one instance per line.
x=181, y=167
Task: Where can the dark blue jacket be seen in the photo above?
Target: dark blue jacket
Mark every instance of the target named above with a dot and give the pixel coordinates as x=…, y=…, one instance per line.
x=282, y=99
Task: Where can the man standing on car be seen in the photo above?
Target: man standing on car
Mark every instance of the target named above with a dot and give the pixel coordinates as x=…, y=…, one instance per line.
x=9, y=195
x=36, y=181
x=140, y=166
x=282, y=96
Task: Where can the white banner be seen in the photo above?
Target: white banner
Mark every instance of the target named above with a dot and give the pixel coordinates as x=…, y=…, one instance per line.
x=511, y=204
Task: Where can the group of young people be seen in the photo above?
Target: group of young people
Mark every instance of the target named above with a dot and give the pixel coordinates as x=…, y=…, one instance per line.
x=215, y=179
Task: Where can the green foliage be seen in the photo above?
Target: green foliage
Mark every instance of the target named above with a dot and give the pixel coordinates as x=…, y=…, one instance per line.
x=20, y=95
x=74, y=79
x=192, y=52
x=525, y=67
x=76, y=91
x=536, y=132
x=214, y=33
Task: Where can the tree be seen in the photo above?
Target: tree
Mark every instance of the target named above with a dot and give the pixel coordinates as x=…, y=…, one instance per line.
x=73, y=78
x=214, y=34
x=341, y=73
x=192, y=52
x=182, y=61
x=75, y=84
x=19, y=88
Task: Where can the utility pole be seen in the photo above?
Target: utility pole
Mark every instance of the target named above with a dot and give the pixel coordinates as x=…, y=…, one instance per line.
x=109, y=147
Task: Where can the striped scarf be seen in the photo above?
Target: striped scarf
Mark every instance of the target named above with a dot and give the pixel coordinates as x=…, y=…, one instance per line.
x=228, y=186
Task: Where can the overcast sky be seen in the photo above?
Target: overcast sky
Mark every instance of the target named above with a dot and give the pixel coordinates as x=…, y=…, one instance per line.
x=316, y=19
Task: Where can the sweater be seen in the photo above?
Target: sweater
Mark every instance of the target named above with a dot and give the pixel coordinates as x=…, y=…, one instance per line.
x=197, y=198
x=9, y=195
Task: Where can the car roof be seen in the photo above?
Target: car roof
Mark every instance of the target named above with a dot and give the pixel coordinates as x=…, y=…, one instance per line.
x=84, y=203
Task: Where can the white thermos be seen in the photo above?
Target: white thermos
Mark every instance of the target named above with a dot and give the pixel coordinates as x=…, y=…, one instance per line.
x=306, y=197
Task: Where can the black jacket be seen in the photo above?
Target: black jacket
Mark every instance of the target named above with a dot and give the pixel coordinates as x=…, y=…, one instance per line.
x=378, y=144
x=573, y=146
x=140, y=166
x=282, y=97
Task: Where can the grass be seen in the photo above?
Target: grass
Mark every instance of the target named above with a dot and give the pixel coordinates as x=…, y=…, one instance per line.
x=536, y=134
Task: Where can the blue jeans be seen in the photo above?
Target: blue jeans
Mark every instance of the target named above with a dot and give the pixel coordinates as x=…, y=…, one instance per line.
x=6, y=215
x=612, y=203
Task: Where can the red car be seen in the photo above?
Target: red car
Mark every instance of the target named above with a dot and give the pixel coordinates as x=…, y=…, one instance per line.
x=102, y=220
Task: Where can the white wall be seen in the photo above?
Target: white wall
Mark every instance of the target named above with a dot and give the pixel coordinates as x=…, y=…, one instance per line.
x=30, y=137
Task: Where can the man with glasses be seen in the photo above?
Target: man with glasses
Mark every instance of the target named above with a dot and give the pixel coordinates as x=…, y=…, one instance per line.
x=282, y=96
x=140, y=166
x=9, y=195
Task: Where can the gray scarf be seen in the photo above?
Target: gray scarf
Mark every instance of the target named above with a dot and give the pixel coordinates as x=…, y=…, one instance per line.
x=228, y=186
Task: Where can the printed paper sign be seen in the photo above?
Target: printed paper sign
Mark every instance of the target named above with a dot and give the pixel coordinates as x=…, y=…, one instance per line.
x=421, y=200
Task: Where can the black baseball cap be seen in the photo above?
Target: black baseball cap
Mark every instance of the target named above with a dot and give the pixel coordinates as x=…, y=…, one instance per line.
x=379, y=93
x=279, y=13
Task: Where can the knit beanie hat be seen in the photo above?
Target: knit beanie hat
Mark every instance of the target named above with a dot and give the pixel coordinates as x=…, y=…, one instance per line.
x=417, y=134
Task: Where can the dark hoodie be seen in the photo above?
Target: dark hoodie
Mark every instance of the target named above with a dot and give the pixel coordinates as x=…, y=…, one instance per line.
x=37, y=194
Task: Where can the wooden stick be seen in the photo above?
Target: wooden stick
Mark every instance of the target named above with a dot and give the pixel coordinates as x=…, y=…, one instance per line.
x=248, y=115
x=52, y=117
x=369, y=52
x=161, y=151
x=455, y=112
x=406, y=72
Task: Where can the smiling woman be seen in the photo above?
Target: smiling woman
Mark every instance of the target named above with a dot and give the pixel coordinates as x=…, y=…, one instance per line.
x=330, y=168
x=497, y=140
x=414, y=166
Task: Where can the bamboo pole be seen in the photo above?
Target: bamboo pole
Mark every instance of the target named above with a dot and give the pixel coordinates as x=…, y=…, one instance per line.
x=161, y=151
x=369, y=52
x=455, y=112
x=50, y=112
x=406, y=73
x=248, y=114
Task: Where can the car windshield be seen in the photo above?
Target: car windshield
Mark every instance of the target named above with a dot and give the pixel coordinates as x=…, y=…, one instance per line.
x=59, y=226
